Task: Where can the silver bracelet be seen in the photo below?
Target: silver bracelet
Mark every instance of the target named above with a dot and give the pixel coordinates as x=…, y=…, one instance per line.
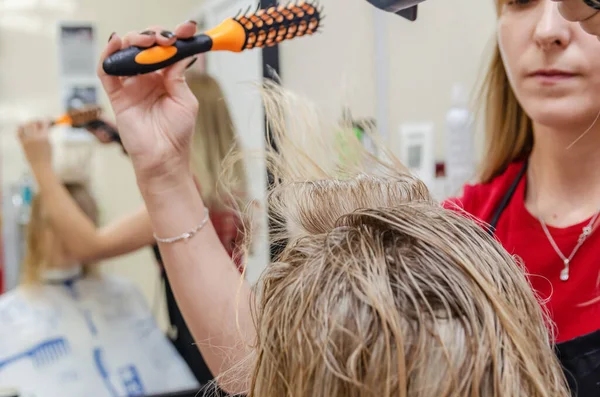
x=186, y=235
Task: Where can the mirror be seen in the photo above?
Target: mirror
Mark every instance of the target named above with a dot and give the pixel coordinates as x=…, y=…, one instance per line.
x=367, y=66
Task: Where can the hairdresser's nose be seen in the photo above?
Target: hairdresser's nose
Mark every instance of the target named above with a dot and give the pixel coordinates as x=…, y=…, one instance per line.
x=552, y=30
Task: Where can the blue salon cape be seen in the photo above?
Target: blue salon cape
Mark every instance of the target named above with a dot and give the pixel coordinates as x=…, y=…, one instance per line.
x=92, y=337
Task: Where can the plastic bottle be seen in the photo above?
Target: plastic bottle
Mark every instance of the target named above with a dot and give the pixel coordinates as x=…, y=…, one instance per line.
x=26, y=187
x=460, y=149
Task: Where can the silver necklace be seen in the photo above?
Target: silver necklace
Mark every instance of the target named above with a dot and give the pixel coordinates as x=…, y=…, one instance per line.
x=585, y=233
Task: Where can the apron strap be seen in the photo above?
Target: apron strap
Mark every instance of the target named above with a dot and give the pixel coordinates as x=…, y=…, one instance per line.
x=506, y=199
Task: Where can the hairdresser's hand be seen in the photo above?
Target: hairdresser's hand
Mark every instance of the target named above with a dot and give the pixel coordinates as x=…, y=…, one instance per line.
x=35, y=141
x=586, y=12
x=155, y=112
x=101, y=131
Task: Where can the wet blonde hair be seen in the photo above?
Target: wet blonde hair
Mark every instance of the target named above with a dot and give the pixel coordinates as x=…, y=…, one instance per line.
x=380, y=291
x=213, y=140
x=41, y=239
x=508, y=129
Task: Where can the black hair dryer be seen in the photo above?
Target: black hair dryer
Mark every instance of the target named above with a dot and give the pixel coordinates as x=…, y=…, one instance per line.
x=404, y=8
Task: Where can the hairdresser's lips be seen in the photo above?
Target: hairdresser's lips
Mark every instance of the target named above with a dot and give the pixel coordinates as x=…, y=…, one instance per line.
x=552, y=76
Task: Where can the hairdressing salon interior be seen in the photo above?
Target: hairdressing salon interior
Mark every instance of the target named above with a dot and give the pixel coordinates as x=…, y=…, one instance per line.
x=416, y=81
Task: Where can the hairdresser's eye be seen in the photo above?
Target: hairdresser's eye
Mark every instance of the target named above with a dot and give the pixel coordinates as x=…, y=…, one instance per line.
x=517, y=6
x=519, y=3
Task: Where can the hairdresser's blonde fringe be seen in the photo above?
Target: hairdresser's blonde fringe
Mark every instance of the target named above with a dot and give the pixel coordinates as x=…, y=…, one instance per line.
x=379, y=291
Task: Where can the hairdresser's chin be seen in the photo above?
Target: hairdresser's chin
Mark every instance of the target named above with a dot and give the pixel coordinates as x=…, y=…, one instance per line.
x=573, y=111
x=559, y=97
x=560, y=93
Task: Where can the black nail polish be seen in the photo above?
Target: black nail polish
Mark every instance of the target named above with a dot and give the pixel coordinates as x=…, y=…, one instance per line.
x=111, y=36
x=167, y=34
x=148, y=32
x=193, y=61
x=192, y=21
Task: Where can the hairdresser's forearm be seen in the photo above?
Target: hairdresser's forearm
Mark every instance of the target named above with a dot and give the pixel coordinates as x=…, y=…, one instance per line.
x=213, y=298
x=71, y=223
x=83, y=240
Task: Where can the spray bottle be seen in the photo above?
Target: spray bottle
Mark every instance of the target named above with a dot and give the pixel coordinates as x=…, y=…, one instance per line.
x=460, y=150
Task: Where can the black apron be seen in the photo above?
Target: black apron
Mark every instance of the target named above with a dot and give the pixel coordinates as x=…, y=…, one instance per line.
x=579, y=357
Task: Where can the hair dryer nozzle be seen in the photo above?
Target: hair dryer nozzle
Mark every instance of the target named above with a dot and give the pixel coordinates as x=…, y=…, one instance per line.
x=404, y=8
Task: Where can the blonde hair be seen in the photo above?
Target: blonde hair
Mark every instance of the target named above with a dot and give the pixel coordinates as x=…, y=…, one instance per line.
x=379, y=290
x=508, y=129
x=213, y=140
x=40, y=238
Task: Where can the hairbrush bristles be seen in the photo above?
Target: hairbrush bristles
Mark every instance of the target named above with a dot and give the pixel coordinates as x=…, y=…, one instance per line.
x=84, y=115
x=266, y=28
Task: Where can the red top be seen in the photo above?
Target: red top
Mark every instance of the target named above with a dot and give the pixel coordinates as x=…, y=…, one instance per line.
x=521, y=234
x=227, y=225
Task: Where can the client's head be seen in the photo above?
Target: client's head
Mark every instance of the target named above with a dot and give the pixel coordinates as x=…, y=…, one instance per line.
x=45, y=249
x=380, y=291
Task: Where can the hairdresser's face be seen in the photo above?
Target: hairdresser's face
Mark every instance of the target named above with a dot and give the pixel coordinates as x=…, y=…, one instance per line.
x=553, y=65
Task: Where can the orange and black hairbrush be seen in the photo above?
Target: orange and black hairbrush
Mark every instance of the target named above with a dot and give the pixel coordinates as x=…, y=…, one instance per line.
x=79, y=117
x=87, y=117
x=263, y=28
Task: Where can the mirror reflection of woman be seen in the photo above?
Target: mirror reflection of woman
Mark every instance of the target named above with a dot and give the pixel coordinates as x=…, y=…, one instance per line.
x=70, y=330
x=214, y=137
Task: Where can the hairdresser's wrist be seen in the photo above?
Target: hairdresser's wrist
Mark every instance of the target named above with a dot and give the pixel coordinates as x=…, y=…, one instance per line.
x=39, y=162
x=44, y=175
x=167, y=181
x=37, y=167
x=174, y=207
x=155, y=173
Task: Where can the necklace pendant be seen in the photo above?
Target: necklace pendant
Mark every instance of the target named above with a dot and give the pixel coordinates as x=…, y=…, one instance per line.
x=564, y=274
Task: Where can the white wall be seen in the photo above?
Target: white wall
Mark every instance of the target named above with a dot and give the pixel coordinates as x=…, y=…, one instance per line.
x=335, y=67
x=29, y=87
x=446, y=44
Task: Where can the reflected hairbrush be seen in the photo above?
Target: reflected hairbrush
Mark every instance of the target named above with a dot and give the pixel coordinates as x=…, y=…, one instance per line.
x=87, y=117
x=263, y=28
x=79, y=117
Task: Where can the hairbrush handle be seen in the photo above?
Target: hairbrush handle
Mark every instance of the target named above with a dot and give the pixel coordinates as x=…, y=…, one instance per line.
x=136, y=60
x=109, y=129
x=263, y=28
x=112, y=132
